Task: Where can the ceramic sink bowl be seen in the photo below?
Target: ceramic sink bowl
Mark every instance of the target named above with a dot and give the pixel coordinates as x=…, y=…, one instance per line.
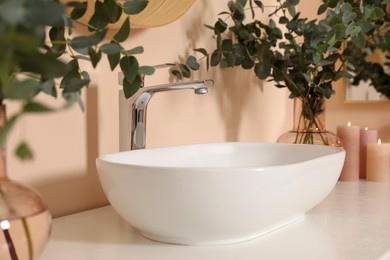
x=221, y=193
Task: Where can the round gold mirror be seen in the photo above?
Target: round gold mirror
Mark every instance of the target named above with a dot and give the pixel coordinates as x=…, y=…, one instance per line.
x=157, y=13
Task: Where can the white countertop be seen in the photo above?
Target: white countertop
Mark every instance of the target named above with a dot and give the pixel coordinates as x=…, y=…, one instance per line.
x=352, y=223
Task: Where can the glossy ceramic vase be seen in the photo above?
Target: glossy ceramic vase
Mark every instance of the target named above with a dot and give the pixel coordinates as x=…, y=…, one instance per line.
x=24, y=219
x=309, y=124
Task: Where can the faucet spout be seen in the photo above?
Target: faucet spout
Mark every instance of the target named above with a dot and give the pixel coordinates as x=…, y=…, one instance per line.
x=132, y=111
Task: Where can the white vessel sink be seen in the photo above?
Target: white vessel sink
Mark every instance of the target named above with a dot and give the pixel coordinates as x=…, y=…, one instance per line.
x=210, y=194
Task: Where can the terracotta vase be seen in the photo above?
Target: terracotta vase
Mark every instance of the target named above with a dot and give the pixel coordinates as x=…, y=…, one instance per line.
x=24, y=219
x=309, y=124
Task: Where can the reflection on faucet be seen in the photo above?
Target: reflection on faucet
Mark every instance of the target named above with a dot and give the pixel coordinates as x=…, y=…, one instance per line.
x=132, y=111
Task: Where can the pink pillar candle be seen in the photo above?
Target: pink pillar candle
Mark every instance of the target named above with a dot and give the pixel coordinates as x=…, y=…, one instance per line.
x=378, y=161
x=366, y=136
x=350, y=137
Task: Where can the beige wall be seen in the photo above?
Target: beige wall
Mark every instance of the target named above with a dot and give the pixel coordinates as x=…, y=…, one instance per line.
x=237, y=108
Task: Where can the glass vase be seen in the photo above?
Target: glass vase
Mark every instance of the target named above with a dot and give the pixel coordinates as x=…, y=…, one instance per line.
x=24, y=219
x=309, y=124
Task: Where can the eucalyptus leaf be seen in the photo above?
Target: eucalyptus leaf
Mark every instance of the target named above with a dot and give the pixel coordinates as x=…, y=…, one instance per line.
x=376, y=13
x=113, y=60
x=135, y=6
x=95, y=56
x=100, y=19
x=185, y=70
x=113, y=10
x=262, y=70
x=176, y=73
x=49, y=88
x=136, y=50
x=129, y=66
x=80, y=42
x=192, y=63
x=44, y=13
x=24, y=89
x=201, y=50
x=124, y=31
x=146, y=70
x=36, y=107
x=5, y=131
x=260, y=5
x=24, y=152
x=323, y=7
x=359, y=40
x=111, y=48
x=130, y=88
x=79, y=9
x=216, y=57
x=57, y=38
x=220, y=26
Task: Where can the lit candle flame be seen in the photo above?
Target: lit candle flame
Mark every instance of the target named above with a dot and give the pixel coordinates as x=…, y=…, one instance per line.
x=366, y=128
x=349, y=123
x=379, y=141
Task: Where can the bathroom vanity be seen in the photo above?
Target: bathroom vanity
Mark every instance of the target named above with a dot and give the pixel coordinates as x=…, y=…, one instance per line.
x=353, y=222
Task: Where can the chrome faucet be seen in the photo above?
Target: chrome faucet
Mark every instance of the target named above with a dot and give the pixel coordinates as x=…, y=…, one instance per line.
x=132, y=111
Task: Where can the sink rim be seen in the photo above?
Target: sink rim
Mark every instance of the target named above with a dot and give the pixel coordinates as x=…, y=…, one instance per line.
x=106, y=158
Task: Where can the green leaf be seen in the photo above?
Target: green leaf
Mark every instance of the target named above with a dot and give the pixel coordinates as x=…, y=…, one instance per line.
x=46, y=65
x=216, y=58
x=100, y=19
x=57, y=38
x=80, y=42
x=238, y=12
x=44, y=13
x=291, y=10
x=113, y=59
x=25, y=89
x=24, y=152
x=262, y=70
x=79, y=9
x=208, y=26
x=113, y=10
x=72, y=81
x=343, y=74
x=323, y=7
x=339, y=31
x=49, y=88
x=283, y=20
x=95, y=56
x=12, y=12
x=111, y=48
x=364, y=25
x=35, y=107
x=4, y=131
x=185, y=70
x=136, y=50
x=176, y=73
x=135, y=6
x=220, y=26
x=227, y=45
x=73, y=97
x=293, y=2
x=130, y=88
x=202, y=50
x=123, y=32
x=146, y=70
x=129, y=66
x=376, y=13
x=251, y=7
x=192, y=63
x=260, y=5
x=359, y=40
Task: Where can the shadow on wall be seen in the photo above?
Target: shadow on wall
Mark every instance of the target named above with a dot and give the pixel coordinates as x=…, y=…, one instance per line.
x=231, y=88
x=83, y=191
